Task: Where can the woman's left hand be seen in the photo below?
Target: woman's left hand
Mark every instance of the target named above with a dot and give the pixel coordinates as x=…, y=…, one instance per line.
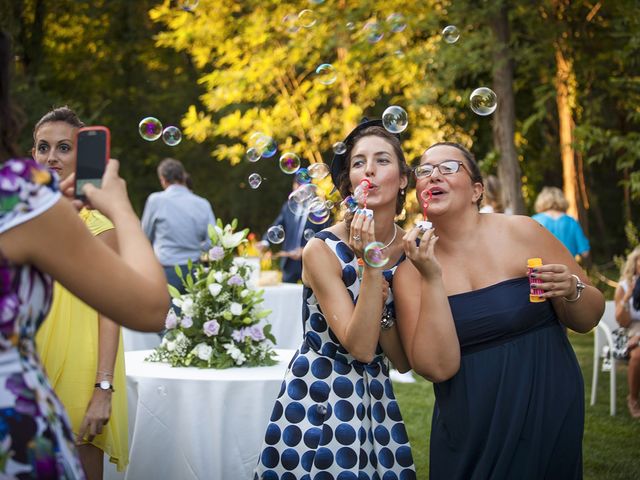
x=361, y=233
x=557, y=281
x=97, y=415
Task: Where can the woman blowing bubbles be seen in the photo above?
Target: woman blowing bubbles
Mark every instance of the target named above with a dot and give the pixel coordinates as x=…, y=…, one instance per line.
x=336, y=414
x=515, y=408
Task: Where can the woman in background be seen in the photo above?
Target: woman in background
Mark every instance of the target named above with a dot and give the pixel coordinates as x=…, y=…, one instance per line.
x=551, y=207
x=627, y=298
x=80, y=349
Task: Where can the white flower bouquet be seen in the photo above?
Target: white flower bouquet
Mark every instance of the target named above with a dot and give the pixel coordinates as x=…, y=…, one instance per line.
x=216, y=322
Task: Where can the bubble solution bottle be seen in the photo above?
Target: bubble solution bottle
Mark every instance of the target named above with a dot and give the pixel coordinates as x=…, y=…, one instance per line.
x=534, y=293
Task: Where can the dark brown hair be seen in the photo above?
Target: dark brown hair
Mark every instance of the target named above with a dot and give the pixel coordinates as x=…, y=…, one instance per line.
x=344, y=184
x=472, y=164
x=59, y=114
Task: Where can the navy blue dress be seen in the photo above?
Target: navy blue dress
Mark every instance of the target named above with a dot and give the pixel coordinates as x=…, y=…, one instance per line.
x=515, y=409
x=335, y=418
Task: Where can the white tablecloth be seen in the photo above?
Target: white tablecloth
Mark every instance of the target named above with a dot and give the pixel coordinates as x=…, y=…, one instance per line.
x=189, y=423
x=284, y=301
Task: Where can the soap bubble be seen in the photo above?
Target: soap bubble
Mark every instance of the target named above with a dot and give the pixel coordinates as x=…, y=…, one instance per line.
x=172, y=136
x=373, y=32
x=302, y=176
x=252, y=154
x=275, y=234
x=319, y=216
x=450, y=34
x=375, y=254
x=300, y=199
x=255, y=180
x=150, y=128
x=483, y=101
x=350, y=26
x=396, y=22
x=289, y=162
x=329, y=204
x=290, y=22
x=189, y=5
x=318, y=170
x=308, y=234
x=339, y=148
x=326, y=74
x=395, y=119
x=264, y=144
x=350, y=204
x=307, y=18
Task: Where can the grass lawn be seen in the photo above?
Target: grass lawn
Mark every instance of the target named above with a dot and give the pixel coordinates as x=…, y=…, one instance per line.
x=611, y=445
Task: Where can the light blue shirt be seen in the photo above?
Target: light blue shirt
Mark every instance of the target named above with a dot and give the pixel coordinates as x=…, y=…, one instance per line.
x=567, y=230
x=176, y=222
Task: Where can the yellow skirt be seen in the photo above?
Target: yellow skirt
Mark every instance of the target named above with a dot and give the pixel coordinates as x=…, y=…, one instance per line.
x=67, y=343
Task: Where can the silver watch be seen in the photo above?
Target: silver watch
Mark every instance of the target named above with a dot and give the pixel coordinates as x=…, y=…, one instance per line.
x=387, y=321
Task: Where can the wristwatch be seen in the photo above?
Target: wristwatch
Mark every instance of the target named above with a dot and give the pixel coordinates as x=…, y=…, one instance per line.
x=579, y=288
x=387, y=321
x=104, y=385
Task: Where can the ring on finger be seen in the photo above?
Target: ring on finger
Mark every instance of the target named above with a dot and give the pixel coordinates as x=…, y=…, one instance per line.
x=356, y=238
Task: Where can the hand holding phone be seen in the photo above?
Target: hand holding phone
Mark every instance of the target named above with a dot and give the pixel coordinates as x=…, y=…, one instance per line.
x=92, y=146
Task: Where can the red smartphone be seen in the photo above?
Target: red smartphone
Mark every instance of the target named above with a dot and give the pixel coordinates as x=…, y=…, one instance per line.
x=92, y=147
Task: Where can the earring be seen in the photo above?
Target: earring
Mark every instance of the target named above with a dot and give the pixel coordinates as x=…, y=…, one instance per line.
x=402, y=191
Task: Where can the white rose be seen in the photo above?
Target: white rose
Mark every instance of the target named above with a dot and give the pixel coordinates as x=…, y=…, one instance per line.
x=235, y=308
x=187, y=306
x=219, y=276
x=203, y=351
x=215, y=289
x=233, y=269
x=244, y=293
x=170, y=346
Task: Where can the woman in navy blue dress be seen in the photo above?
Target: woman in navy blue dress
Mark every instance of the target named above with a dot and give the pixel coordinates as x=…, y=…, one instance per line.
x=515, y=408
x=336, y=416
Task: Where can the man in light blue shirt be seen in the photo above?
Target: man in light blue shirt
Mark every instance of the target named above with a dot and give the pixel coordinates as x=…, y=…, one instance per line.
x=176, y=221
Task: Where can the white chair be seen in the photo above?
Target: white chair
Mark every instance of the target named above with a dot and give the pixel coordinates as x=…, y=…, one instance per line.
x=603, y=351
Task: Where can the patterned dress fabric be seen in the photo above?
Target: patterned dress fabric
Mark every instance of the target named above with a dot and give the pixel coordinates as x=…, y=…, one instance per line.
x=67, y=343
x=335, y=418
x=515, y=409
x=35, y=437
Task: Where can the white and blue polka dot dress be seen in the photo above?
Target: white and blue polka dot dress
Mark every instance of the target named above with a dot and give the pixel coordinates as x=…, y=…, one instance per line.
x=335, y=418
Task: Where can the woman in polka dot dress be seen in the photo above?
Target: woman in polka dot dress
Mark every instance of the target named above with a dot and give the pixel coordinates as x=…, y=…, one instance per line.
x=336, y=416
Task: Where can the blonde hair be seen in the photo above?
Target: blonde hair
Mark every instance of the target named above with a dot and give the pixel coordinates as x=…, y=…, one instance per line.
x=629, y=268
x=551, y=198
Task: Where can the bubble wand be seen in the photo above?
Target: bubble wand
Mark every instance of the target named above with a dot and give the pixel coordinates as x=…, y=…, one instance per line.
x=361, y=193
x=425, y=224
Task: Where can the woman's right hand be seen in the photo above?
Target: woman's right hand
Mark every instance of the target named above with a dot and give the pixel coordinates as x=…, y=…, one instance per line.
x=112, y=196
x=361, y=233
x=423, y=256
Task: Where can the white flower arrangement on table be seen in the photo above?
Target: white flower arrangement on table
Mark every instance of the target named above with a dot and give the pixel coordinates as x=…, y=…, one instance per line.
x=217, y=324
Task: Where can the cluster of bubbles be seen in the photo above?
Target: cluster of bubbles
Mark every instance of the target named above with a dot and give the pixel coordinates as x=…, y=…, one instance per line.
x=150, y=129
x=374, y=31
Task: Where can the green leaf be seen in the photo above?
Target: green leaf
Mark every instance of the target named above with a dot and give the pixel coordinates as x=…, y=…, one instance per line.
x=173, y=291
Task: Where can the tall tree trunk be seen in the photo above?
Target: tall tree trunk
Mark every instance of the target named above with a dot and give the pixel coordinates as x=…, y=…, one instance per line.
x=504, y=117
x=565, y=99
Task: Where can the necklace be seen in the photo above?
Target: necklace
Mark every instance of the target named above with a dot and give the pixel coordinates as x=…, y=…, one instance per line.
x=395, y=233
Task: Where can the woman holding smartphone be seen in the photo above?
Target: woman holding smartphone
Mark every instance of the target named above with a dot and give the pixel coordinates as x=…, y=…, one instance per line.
x=41, y=239
x=80, y=349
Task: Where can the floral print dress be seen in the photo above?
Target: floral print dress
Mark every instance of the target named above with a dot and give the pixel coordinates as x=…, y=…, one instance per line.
x=35, y=438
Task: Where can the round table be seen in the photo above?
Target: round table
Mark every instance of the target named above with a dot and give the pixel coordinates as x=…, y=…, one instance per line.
x=191, y=423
